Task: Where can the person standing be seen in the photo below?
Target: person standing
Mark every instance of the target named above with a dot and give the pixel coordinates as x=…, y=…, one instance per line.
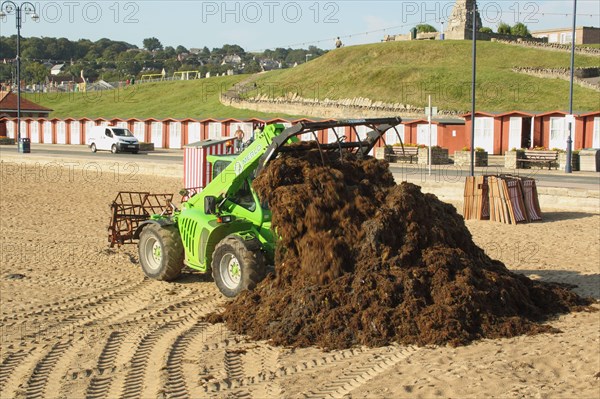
x=258, y=128
x=239, y=140
x=338, y=43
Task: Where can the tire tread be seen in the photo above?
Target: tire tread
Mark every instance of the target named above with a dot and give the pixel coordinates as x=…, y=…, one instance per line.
x=173, y=253
x=254, y=261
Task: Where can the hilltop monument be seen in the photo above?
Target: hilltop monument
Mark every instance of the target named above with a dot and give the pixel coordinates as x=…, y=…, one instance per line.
x=460, y=24
x=460, y=27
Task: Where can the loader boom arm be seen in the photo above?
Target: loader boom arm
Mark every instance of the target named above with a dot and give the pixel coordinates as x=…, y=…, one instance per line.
x=231, y=179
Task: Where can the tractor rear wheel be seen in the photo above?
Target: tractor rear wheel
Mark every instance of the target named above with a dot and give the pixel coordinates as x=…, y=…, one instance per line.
x=161, y=252
x=237, y=265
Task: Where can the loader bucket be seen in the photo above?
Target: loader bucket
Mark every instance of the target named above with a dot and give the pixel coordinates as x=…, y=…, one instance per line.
x=129, y=209
x=361, y=147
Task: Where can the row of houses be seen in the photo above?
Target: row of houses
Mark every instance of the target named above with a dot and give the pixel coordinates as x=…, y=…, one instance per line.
x=494, y=132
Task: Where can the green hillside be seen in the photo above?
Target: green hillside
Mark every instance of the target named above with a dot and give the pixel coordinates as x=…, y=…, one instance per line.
x=395, y=72
x=179, y=99
x=407, y=72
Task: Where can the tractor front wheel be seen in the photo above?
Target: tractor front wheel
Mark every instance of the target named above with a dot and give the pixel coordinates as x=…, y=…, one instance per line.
x=237, y=265
x=161, y=252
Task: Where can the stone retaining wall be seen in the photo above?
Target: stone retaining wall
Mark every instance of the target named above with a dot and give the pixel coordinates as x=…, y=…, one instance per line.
x=463, y=158
x=551, y=46
x=439, y=156
x=345, y=108
x=564, y=74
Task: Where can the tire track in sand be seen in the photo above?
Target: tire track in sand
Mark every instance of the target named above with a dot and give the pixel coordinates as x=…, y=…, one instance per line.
x=127, y=337
x=235, y=373
x=249, y=373
x=9, y=364
x=103, y=309
x=18, y=368
x=96, y=306
x=273, y=372
x=360, y=373
x=100, y=384
x=71, y=303
x=36, y=384
x=175, y=385
x=143, y=378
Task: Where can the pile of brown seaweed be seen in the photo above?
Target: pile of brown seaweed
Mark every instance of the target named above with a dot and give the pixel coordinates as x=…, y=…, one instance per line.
x=363, y=261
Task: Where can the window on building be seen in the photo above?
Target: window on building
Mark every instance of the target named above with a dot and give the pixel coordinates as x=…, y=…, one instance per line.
x=484, y=127
x=566, y=37
x=557, y=129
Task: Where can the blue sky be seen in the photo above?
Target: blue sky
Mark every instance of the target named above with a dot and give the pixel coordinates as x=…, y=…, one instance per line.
x=258, y=25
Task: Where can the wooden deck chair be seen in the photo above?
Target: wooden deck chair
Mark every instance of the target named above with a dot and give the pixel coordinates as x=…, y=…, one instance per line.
x=531, y=200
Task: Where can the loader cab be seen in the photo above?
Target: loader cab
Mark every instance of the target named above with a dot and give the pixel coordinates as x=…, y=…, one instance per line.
x=245, y=196
x=219, y=163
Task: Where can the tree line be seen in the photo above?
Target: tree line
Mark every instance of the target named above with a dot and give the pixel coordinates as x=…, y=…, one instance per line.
x=112, y=60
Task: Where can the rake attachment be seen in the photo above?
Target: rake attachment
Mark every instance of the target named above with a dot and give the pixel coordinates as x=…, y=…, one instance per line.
x=129, y=209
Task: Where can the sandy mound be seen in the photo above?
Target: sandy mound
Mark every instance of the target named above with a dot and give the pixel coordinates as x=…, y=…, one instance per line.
x=364, y=261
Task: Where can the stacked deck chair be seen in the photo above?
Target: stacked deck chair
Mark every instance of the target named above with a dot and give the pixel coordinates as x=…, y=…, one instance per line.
x=504, y=198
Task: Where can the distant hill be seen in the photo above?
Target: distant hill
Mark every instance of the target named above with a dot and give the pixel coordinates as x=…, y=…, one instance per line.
x=179, y=99
x=395, y=72
x=407, y=72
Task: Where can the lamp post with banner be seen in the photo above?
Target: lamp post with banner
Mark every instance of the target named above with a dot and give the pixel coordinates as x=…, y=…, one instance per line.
x=430, y=112
x=9, y=7
x=571, y=118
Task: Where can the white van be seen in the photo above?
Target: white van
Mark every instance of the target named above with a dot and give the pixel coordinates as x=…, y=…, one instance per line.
x=113, y=139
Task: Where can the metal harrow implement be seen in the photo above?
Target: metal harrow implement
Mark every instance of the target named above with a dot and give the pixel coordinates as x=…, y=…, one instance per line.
x=130, y=208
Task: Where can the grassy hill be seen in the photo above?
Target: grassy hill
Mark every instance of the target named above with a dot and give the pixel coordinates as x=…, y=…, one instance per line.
x=396, y=72
x=407, y=72
x=179, y=99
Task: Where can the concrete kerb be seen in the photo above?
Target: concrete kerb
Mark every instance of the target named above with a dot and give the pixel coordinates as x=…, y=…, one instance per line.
x=574, y=199
x=142, y=168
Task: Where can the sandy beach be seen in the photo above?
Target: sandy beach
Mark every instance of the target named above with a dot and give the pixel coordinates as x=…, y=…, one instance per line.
x=79, y=319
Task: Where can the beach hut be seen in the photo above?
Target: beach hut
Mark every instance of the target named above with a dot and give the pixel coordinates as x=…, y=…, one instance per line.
x=192, y=130
x=588, y=126
x=156, y=132
x=231, y=125
x=197, y=172
x=446, y=133
x=487, y=131
x=138, y=129
x=173, y=129
x=212, y=128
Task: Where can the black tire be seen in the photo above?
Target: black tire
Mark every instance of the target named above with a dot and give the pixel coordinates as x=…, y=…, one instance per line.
x=250, y=263
x=114, y=149
x=165, y=265
x=93, y=147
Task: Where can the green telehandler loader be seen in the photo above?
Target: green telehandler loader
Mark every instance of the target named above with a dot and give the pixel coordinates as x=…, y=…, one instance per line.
x=225, y=227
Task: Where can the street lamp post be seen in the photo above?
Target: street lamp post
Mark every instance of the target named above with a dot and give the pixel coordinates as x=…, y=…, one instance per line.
x=8, y=7
x=569, y=167
x=473, y=88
